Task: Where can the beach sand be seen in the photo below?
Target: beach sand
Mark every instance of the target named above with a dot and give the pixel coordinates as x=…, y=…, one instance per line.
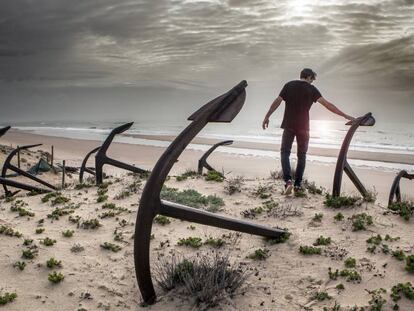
x=98, y=279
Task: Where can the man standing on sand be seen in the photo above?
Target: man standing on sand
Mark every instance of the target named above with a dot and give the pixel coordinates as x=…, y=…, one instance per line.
x=299, y=95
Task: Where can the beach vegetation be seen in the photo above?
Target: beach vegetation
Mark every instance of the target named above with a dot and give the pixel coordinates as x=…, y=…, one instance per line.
x=135, y=186
x=340, y=201
x=208, y=278
x=18, y=206
x=259, y=254
x=59, y=212
x=186, y=174
x=162, y=220
x=409, y=260
x=309, y=250
x=350, y=275
x=90, y=224
x=340, y=286
x=361, y=221
x=213, y=175
x=33, y=193
x=300, y=193
x=400, y=289
x=321, y=296
x=55, y=277
x=194, y=242
x=48, y=241
x=55, y=198
x=262, y=192
x=398, y=254
x=20, y=265
x=40, y=230
x=282, y=238
x=7, y=298
x=318, y=217
x=8, y=231
x=107, y=214
x=252, y=212
x=101, y=198
x=370, y=196
x=404, y=209
x=53, y=263
x=29, y=254
x=234, y=184
x=122, y=195
x=312, y=187
x=68, y=233
x=321, y=240
x=377, y=300
x=375, y=239
x=77, y=248
x=336, y=307
x=27, y=242
x=350, y=262
x=110, y=246
x=214, y=242
x=81, y=186
x=339, y=217
x=192, y=198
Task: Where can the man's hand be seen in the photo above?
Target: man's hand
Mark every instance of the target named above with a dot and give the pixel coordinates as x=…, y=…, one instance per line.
x=265, y=123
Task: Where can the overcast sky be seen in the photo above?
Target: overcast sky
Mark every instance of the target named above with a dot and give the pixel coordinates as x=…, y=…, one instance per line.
x=61, y=57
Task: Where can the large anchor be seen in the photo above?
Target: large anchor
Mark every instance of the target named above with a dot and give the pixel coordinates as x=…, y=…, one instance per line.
x=8, y=166
x=395, y=188
x=203, y=160
x=101, y=158
x=221, y=109
x=342, y=163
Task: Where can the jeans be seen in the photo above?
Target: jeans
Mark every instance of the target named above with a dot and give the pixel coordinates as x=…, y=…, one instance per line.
x=302, y=140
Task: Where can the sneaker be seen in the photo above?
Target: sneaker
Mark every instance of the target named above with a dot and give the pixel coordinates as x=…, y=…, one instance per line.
x=288, y=187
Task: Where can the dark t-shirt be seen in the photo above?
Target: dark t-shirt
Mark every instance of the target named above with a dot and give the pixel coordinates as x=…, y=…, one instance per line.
x=299, y=96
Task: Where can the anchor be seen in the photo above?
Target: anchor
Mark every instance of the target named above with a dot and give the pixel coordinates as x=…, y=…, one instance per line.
x=395, y=187
x=221, y=109
x=8, y=166
x=203, y=160
x=342, y=163
x=101, y=158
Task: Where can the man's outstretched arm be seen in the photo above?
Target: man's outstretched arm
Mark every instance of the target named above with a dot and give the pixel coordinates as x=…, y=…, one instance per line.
x=331, y=107
x=272, y=108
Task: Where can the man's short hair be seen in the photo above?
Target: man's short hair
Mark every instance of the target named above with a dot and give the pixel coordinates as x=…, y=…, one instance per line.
x=306, y=73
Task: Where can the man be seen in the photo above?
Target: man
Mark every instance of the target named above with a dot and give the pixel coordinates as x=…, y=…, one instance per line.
x=299, y=95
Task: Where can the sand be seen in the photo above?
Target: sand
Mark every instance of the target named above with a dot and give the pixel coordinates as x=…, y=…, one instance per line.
x=98, y=279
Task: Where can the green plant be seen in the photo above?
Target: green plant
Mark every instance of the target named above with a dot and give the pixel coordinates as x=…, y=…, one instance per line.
x=340, y=201
x=27, y=242
x=262, y=192
x=318, y=217
x=340, y=286
x=40, y=230
x=186, y=174
x=234, y=185
x=48, y=241
x=280, y=239
x=310, y=250
x=313, y=188
x=402, y=288
x=259, y=254
x=370, y=196
x=403, y=208
x=7, y=298
x=20, y=265
x=55, y=277
x=193, y=242
x=5, y=230
x=58, y=212
x=300, y=193
x=52, y=263
x=409, y=260
x=50, y=195
x=214, y=176
x=214, y=242
x=68, y=233
x=321, y=240
x=122, y=195
x=339, y=217
x=360, y=221
x=110, y=246
x=162, y=220
x=252, y=212
x=108, y=214
x=377, y=301
x=18, y=206
x=101, y=198
x=83, y=186
x=350, y=275
x=398, y=254
x=350, y=262
x=321, y=296
x=29, y=254
x=77, y=248
x=90, y=224
x=376, y=239
x=59, y=200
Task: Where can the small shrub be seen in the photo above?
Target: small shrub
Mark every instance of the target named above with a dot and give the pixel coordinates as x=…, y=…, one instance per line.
x=322, y=241
x=313, y=188
x=59, y=200
x=187, y=174
x=20, y=265
x=409, y=260
x=18, y=206
x=321, y=296
x=318, y=217
x=371, y=196
x=252, y=212
x=83, y=186
x=122, y=195
x=377, y=301
x=90, y=224
x=361, y=221
x=162, y=220
x=300, y=193
x=340, y=201
x=262, y=192
x=102, y=198
x=214, y=242
x=29, y=254
x=52, y=263
x=68, y=233
x=40, y=230
x=234, y=185
x=402, y=288
x=110, y=246
x=310, y=250
x=399, y=255
x=193, y=242
x=55, y=277
x=48, y=241
x=59, y=212
x=350, y=262
x=214, y=176
x=340, y=286
x=8, y=231
x=259, y=254
x=77, y=248
x=280, y=239
x=27, y=242
x=7, y=298
x=339, y=217
x=376, y=239
x=351, y=275
x=404, y=209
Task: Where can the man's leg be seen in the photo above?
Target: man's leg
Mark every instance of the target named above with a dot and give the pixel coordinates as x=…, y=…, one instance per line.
x=287, y=141
x=302, y=139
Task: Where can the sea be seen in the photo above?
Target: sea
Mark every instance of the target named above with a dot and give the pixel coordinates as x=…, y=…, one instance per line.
x=396, y=138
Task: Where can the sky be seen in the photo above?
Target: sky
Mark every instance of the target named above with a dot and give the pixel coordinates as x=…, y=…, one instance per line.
x=123, y=60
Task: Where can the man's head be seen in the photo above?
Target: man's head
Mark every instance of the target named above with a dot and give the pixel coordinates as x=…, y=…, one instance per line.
x=308, y=75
